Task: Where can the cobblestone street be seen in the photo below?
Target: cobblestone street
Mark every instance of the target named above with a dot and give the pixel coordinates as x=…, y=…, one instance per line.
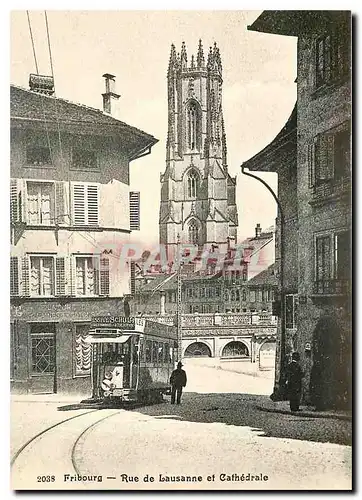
x=209, y=433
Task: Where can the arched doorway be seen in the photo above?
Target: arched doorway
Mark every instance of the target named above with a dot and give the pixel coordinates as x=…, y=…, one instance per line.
x=235, y=349
x=267, y=355
x=197, y=350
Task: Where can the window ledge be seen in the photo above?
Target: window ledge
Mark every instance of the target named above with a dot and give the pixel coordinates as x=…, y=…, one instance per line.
x=77, y=169
x=45, y=165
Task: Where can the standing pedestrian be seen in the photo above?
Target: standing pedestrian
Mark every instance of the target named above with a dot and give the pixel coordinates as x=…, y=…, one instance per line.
x=178, y=380
x=294, y=381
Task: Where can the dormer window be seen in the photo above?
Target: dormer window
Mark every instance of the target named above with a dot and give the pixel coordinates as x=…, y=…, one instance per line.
x=39, y=147
x=83, y=159
x=38, y=156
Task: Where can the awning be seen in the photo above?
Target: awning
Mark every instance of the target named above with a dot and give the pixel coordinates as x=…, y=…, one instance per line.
x=101, y=339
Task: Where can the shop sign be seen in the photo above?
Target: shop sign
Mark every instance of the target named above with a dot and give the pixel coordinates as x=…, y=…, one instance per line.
x=123, y=322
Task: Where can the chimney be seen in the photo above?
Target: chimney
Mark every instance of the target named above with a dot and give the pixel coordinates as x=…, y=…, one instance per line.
x=41, y=83
x=257, y=231
x=110, y=93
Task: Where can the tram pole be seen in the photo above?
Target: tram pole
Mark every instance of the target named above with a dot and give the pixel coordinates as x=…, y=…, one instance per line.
x=179, y=303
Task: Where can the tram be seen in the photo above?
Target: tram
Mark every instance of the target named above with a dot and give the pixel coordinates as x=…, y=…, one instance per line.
x=132, y=359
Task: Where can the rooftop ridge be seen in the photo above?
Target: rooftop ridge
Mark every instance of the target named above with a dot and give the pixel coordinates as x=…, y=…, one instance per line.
x=83, y=106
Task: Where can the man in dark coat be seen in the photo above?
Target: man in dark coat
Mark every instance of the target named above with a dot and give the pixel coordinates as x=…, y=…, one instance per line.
x=294, y=381
x=178, y=380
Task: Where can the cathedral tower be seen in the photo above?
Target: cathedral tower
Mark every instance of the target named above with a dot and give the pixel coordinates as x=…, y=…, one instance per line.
x=197, y=192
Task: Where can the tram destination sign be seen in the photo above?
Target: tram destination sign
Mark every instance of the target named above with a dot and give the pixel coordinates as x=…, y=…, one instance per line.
x=124, y=322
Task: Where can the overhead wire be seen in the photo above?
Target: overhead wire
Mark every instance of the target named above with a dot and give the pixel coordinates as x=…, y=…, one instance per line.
x=66, y=198
x=32, y=43
x=67, y=195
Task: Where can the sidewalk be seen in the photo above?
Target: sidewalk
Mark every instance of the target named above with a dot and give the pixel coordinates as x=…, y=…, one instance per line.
x=47, y=398
x=305, y=411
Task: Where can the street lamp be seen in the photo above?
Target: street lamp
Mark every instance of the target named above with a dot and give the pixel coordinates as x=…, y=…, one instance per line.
x=279, y=385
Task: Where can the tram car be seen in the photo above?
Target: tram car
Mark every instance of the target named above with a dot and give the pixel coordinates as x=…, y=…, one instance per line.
x=132, y=359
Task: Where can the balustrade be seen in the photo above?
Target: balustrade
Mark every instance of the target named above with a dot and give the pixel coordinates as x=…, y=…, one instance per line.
x=217, y=319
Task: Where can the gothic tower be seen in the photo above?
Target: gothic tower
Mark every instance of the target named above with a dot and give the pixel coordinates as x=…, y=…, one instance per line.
x=197, y=192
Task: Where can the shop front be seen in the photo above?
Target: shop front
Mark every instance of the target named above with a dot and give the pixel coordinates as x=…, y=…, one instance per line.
x=49, y=352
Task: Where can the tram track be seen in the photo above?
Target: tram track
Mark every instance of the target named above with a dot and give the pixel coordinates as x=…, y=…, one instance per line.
x=28, y=464
x=41, y=433
x=82, y=436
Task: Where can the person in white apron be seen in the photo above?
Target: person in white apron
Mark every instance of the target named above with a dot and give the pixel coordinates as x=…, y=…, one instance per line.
x=107, y=385
x=117, y=376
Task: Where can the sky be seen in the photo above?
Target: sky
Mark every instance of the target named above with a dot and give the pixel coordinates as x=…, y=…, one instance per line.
x=259, y=89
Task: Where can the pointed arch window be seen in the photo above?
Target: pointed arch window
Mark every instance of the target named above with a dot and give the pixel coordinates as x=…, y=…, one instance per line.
x=193, y=125
x=193, y=232
x=193, y=182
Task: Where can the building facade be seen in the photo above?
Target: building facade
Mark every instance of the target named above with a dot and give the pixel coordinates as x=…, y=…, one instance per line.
x=70, y=216
x=250, y=289
x=317, y=301
x=197, y=193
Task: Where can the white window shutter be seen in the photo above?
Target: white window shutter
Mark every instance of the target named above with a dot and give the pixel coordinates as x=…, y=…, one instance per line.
x=134, y=210
x=92, y=205
x=25, y=278
x=14, y=201
x=104, y=276
x=60, y=275
x=79, y=204
x=14, y=276
x=133, y=277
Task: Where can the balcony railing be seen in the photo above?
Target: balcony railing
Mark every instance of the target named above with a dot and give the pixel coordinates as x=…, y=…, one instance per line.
x=218, y=319
x=331, y=287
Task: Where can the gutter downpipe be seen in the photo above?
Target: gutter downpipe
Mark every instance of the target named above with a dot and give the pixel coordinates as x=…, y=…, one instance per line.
x=279, y=385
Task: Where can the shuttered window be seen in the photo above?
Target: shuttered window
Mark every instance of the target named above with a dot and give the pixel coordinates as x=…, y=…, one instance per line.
x=15, y=200
x=42, y=278
x=134, y=210
x=91, y=276
x=86, y=276
x=104, y=276
x=60, y=275
x=323, y=258
x=324, y=164
x=332, y=57
x=25, y=285
x=85, y=204
x=133, y=278
x=329, y=156
x=40, y=203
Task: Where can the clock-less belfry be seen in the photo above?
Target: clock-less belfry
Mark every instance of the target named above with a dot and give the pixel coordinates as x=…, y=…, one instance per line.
x=197, y=192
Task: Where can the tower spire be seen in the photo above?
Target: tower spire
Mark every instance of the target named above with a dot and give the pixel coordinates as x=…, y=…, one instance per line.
x=173, y=59
x=200, y=56
x=183, y=55
x=192, y=62
x=210, y=58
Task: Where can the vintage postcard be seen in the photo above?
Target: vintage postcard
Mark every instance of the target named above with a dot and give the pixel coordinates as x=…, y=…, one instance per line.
x=180, y=271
